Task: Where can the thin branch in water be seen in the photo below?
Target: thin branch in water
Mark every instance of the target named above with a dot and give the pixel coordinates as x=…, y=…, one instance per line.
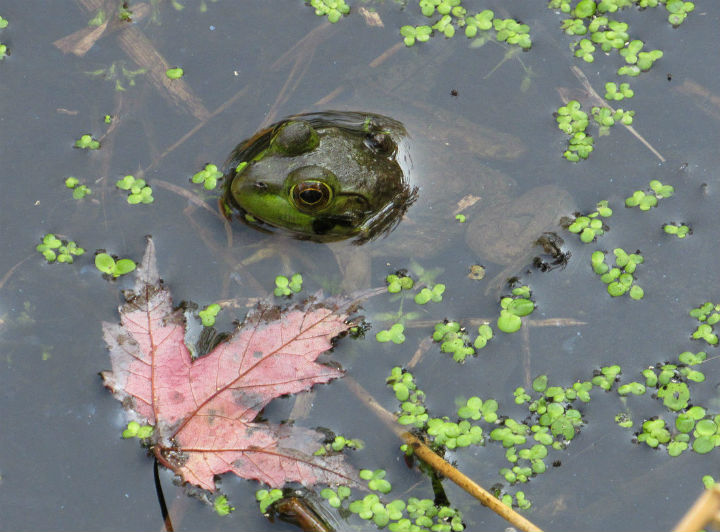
x=580, y=75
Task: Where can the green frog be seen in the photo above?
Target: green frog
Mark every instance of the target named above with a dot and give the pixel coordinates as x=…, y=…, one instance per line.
x=322, y=176
x=347, y=175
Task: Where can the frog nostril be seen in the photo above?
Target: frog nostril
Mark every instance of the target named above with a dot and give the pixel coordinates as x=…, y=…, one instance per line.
x=261, y=186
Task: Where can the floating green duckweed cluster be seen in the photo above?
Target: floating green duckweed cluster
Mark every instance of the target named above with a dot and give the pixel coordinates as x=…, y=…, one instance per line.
x=336, y=497
x=595, y=23
x=613, y=92
x=453, y=339
x=394, y=334
x=620, y=279
x=113, y=266
x=86, y=142
x=79, y=191
x=677, y=9
x=222, y=506
x=136, y=430
x=645, y=200
x=338, y=445
x=3, y=47
x=606, y=118
x=208, y=314
x=590, y=226
x=139, y=191
x=430, y=294
x=708, y=314
x=52, y=248
x=267, y=497
x=552, y=423
x=574, y=121
x=398, y=281
x=334, y=9
x=398, y=515
x=174, y=73
x=694, y=427
x=679, y=230
x=454, y=16
x=513, y=308
x=285, y=287
x=208, y=176
x=412, y=398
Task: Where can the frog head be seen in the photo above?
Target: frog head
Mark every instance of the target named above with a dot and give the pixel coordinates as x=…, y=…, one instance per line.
x=323, y=177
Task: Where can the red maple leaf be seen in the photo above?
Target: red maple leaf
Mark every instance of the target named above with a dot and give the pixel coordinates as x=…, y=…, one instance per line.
x=203, y=409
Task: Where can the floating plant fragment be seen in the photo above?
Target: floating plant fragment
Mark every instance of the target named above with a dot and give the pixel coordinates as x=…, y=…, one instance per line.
x=52, y=248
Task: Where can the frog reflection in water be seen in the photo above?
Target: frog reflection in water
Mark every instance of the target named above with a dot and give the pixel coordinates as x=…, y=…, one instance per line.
x=338, y=175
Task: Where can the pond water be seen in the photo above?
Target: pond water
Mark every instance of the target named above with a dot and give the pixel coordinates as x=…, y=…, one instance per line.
x=480, y=121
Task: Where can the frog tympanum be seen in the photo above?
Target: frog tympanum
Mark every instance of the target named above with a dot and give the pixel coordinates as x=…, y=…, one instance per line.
x=322, y=176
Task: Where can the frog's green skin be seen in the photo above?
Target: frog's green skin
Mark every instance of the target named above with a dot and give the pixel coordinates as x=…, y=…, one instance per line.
x=322, y=176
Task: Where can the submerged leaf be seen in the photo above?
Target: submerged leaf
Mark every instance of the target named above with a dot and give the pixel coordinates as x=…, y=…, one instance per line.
x=203, y=409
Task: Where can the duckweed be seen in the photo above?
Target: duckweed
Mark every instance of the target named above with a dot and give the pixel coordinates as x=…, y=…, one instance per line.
x=135, y=430
x=79, y=191
x=585, y=50
x=415, y=33
x=110, y=266
x=393, y=334
x=285, y=287
x=62, y=251
x=613, y=92
x=174, y=73
x=267, y=497
x=430, y=294
x=513, y=308
x=222, y=506
x=86, y=142
x=376, y=480
x=208, y=176
x=339, y=444
x=333, y=9
x=208, y=314
x=620, y=278
x=476, y=409
x=679, y=230
x=590, y=226
x=454, y=16
x=398, y=281
x=336, y=497
x=139, y=191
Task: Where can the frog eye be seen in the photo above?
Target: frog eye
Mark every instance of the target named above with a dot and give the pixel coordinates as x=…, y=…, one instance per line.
x=311, y=196
x=295, y=137
x=381, y=143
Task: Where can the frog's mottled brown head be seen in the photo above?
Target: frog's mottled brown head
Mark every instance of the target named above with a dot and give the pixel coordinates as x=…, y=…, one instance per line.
x=322, y=176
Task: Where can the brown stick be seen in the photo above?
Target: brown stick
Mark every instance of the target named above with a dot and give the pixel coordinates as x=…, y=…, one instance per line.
x=427, y=455
x=702, y=512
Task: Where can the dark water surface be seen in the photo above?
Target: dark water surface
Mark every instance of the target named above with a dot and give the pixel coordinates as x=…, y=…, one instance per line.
x=63, y=464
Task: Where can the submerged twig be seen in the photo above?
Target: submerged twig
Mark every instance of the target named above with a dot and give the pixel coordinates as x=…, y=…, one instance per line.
x=580, y=75
x=476, y=322
x=11, y=271
x=427, y=455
